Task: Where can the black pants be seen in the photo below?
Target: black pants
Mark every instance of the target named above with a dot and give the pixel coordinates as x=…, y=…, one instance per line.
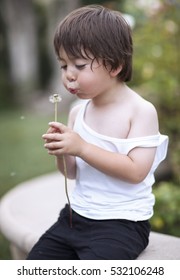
x=89, y=239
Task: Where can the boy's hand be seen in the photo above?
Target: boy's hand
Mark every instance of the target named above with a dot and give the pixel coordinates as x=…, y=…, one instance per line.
x=61, y=140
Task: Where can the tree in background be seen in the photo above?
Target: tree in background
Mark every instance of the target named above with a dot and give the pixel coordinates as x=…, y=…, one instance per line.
x=26, y=48
x=21, y=35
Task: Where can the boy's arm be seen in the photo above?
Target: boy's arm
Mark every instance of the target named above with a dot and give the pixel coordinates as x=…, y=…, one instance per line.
x=132, y=168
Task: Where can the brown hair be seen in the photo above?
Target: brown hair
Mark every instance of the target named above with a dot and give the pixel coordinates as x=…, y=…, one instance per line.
x=97, y=32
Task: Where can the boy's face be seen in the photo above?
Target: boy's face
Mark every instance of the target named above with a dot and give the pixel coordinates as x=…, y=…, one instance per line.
x=83, y=78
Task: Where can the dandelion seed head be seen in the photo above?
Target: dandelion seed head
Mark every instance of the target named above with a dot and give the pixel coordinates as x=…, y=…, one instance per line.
x=55, y=98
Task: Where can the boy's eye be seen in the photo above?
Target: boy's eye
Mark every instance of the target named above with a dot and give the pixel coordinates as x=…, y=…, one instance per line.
x=80, y=66
x=63, y=67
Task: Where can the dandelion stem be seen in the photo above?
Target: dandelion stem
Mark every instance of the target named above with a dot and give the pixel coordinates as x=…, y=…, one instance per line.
x=64, y=164
x=55, y=111
x=66, y=189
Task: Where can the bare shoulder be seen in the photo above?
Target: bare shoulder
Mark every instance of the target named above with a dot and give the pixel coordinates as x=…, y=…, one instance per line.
x=145, y=118
x=146, y=108
x=73, y=113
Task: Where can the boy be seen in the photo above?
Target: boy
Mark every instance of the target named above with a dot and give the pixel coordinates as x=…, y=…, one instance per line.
x=111, y=145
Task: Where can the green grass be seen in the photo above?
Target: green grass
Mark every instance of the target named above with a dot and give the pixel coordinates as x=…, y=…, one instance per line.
x=22, y=155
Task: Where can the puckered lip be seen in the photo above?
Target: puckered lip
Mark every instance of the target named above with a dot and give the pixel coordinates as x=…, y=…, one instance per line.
x=73, y=90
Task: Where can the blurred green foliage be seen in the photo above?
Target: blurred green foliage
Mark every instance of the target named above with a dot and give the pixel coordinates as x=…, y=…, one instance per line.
x=166, y=217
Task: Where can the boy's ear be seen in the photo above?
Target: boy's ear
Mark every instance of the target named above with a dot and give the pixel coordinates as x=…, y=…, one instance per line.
x=116, y=71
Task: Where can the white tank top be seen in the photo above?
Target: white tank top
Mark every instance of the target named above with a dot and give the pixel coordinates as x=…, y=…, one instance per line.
x=99, y=196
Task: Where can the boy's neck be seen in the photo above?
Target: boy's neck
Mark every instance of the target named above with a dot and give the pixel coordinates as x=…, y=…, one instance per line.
x=117, y=94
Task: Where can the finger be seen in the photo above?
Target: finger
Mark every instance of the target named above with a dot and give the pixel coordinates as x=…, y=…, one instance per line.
x=54, y=148
x=55, y=152
x=52, y=130
x=52, y=145
x=49, y=131
x=59, y=126
x=52, y=137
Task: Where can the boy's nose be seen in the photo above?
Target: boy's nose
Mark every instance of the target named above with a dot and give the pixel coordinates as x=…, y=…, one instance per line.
x=70, y=76
x=71, y=79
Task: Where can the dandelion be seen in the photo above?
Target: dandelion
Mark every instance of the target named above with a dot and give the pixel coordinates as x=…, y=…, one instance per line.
x=55, y=99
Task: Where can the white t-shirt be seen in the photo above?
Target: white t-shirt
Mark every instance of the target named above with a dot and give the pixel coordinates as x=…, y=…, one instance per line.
x=101, y=197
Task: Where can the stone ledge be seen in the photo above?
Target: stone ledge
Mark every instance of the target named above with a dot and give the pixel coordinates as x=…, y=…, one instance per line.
x=26, y=212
